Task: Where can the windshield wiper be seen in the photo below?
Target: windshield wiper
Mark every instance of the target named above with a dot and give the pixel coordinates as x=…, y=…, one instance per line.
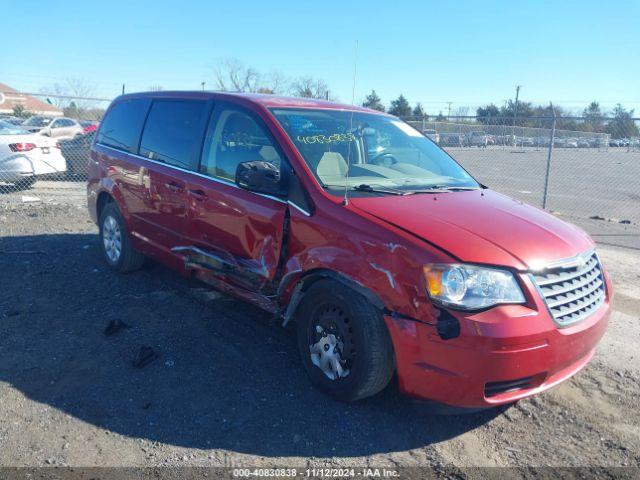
x=364, y=187
x=441, y=188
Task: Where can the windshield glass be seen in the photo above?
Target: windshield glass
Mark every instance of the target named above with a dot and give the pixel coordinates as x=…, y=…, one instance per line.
x=378, y=151
x=8, y=129
x=37, y=122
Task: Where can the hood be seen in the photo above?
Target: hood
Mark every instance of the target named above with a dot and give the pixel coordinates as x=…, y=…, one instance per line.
x=481, y=226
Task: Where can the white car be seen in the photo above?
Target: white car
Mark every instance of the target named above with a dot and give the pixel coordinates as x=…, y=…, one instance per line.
x=432, y=134
x=53, y=127
x=26, y=156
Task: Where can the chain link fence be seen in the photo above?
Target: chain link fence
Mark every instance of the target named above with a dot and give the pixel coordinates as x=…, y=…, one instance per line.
x=583, y=169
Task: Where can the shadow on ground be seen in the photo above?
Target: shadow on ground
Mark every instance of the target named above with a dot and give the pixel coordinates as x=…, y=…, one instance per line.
x=227, y=376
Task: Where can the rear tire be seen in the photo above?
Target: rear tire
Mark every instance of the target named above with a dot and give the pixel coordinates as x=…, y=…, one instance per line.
x=116, y=244
x=333, y=318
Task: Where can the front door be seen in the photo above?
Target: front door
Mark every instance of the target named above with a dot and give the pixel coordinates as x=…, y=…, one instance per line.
x=241, y=231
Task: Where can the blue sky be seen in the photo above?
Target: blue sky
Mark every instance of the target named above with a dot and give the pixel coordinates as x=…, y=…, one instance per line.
x=465, y=52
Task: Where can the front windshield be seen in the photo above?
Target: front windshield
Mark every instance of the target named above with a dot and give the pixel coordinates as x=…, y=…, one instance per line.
x=8, y=129
x=37, y=122
x=378, y=151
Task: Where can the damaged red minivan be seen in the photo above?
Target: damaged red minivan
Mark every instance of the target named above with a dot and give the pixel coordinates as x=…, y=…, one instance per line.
x=387, y=254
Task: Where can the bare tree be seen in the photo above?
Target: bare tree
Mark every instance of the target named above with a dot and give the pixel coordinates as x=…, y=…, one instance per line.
x=461, y=111
x=155, y=88
x=72, y=90
x=309, y=87
x=232, y=75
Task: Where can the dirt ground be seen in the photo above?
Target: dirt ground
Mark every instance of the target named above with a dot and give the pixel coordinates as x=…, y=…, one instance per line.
x=227, y=387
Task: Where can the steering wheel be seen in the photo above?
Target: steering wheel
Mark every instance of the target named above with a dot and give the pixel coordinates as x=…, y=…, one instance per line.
x=384, y=159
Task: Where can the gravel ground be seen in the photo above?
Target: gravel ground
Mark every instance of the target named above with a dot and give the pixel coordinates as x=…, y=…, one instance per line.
x=227, y=387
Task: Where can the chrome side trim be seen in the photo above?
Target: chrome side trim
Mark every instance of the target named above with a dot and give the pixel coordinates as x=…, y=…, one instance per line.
x=300, y=209
x=191, y=172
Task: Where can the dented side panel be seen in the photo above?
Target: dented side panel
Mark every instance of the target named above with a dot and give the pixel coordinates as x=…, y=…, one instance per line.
x=243, y=227
x=389, y=264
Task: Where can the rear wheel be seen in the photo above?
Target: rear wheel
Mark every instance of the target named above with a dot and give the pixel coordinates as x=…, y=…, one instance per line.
x=344, y=342
x=116, y=244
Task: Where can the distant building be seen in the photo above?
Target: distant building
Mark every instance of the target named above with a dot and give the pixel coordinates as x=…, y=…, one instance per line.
x=10, y=97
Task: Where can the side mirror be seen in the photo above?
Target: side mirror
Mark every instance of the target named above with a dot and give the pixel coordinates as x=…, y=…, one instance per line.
x=260, y=176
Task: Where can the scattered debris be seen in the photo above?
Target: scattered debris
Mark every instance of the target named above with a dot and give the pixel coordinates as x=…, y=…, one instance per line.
x=625, y=222
x=114, y=327
x=597, y=217
x=30, y=199
x=145, y=356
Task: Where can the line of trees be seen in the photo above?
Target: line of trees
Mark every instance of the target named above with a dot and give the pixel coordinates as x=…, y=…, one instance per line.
x=619, y=122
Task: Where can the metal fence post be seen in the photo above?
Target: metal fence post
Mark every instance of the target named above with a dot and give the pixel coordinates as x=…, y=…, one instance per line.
x=549, y=156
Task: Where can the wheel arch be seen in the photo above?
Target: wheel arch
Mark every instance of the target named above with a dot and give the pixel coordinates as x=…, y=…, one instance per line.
x=308, y=278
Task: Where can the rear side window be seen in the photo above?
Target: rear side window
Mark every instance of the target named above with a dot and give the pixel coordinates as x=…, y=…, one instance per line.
x=173, y=132
x=121, y=126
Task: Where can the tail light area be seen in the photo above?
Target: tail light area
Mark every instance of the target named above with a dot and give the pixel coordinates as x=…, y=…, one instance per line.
x=21, y=147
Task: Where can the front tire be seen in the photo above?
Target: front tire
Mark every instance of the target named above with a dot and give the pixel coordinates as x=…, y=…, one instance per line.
x=343, y=341
x=116, y=244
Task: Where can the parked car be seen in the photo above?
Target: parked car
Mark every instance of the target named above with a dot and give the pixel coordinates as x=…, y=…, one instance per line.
x=432, y=134
x=470, y=298
x=76, y=152
x=89, y=126
x=560, y=142
x=571, y=143
x=584, y=143
x=526, y=142
x=25, y=156
x=53, y=127
x=451, y=139
x=476, y=139
x=12, y=120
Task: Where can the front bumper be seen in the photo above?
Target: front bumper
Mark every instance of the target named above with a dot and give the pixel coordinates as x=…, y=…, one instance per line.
x=502, y=354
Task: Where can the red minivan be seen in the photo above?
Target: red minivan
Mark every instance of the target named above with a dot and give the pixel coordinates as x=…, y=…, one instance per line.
x=387, y=254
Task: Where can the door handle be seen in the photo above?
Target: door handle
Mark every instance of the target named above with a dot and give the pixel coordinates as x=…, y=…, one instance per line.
x=197, y=194
x=174, y=187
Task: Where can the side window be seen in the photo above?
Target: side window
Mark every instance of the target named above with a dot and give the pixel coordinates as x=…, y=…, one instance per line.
x=234, y=138
x=121, y=126
x=56, y=124
x=173, y=132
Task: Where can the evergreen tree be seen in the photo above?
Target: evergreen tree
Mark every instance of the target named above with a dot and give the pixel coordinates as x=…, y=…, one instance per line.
x=622, y=124
x=400, y=107
x=418, y=111
x=373, y=101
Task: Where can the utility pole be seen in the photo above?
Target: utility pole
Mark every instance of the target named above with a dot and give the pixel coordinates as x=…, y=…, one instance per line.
x=515, y=114
x=123, y=89
x=449, y=114
x=203, y=83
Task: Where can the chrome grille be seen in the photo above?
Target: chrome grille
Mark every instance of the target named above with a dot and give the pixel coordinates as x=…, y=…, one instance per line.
x=572, y=289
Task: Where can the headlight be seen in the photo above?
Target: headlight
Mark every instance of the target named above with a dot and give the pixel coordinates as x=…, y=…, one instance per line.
x=470, y=287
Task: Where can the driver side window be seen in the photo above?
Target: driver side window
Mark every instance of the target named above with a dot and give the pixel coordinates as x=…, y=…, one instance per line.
x=232, y=138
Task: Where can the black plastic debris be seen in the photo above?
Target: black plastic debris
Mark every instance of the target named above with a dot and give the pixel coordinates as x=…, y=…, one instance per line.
x=145, y=356
x=114, y=327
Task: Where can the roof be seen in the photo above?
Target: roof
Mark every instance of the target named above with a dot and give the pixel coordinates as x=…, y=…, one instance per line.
x=264, y=99
x=10, y=97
